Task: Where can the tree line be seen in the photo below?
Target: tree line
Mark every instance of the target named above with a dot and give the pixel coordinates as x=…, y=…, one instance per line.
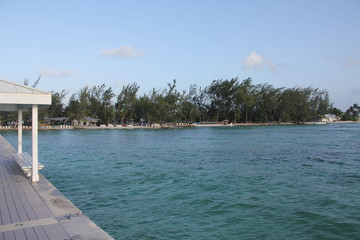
x=223, y=100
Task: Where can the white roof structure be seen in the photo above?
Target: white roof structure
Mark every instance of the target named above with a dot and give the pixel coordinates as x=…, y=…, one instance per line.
x=14, y=97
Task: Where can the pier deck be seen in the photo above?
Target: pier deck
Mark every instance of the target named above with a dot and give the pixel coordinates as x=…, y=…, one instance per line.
x=32, y=211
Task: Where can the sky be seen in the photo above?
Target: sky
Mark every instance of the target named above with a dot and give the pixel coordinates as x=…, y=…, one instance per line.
x=73, y=44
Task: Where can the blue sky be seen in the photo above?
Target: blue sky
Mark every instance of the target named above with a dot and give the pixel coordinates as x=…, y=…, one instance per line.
x=72, y=44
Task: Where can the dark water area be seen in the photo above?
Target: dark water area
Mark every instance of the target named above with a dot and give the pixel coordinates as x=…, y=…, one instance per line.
x=261, y=182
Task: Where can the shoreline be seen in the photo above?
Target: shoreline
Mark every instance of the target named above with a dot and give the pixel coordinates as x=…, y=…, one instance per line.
x=179, y=126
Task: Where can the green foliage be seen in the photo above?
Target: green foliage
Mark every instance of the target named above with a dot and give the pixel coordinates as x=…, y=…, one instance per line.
x=295, y=105
x=229, y=100
x=352, y=114
x=126, y=103
x=222, y=95
x=94, y=102
x=267, y=103
x=107, y=109
x=336, y=112
x=56, y=109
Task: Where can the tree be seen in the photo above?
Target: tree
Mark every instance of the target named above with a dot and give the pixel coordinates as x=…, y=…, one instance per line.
x=352, y=114
x=79, y=105
x=106, y=112
x=337, y=112
x=221, y=100
x=56, y=109
x=73, y=110
x=189, y=109
x=95, y=100
x=295, y=104
x=126, y=102
x=267, y=103
x=221, y=93
x=319, y=103
x=246, y=98
x=145, y=109
x=201, y=101
x=171, y=103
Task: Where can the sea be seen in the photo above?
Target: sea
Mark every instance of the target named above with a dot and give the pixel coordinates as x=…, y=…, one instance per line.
x=247, y=182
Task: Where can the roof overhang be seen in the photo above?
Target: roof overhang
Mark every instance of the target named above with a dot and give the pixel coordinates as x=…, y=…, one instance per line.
x=15, y=97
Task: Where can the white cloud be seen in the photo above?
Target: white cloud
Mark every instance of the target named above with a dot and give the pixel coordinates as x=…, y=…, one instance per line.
x=253, y=61
x=123, y=52
x=350, y=62
x=51, y=73
x=258, y=62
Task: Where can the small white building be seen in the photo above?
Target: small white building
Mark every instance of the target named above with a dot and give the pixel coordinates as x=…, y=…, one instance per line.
x=330, y=118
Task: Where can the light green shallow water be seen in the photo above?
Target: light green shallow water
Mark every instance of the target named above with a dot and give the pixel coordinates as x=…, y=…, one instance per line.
x=273, y=182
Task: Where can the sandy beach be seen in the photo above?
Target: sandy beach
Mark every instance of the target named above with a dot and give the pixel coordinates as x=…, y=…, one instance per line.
x=158, y=126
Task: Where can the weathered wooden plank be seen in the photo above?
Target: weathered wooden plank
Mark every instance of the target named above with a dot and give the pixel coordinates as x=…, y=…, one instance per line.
x=9, y=235
x=6, y=156
x=56, y=232
x=30, y=234
x=32, y=196
x=14, y=172
x=25, y=202
x=43, y=212
x=40, y=233
x=5, y=176
x=20, y=234
x=14, y=216
x=3, y=173
x=17, y=202
x=5, y=143
x=5, y=214
x=11, y=171
x=37, y=204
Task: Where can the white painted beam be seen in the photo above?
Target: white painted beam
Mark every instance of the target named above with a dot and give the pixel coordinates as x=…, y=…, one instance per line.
x=35, y=163
x=18, y=98
x=20, y=137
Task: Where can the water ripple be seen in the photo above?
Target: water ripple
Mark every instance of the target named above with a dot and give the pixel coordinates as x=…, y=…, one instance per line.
x=276, y=182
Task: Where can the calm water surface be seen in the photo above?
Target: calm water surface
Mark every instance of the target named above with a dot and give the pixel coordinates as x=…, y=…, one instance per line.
x=273, y=182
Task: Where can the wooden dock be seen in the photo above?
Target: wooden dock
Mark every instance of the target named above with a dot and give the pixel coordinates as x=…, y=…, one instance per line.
x=32, y=211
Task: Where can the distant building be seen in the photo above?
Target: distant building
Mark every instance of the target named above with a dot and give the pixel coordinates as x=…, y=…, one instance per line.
x=88, y=121
x=330, y=118
x=56, y=121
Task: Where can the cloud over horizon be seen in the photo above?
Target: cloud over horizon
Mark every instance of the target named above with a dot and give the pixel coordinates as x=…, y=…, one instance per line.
x=127, y=51
x=350, y=62
x=258, y=62
x=51, y=73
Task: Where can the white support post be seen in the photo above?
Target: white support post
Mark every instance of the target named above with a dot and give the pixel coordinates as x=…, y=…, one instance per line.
x=20, y=138
x=35, y=163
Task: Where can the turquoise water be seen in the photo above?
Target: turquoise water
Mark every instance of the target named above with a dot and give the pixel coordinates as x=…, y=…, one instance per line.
x=271, y=182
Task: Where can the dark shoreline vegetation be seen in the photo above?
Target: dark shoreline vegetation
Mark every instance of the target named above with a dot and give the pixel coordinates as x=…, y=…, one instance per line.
x=223, y=100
